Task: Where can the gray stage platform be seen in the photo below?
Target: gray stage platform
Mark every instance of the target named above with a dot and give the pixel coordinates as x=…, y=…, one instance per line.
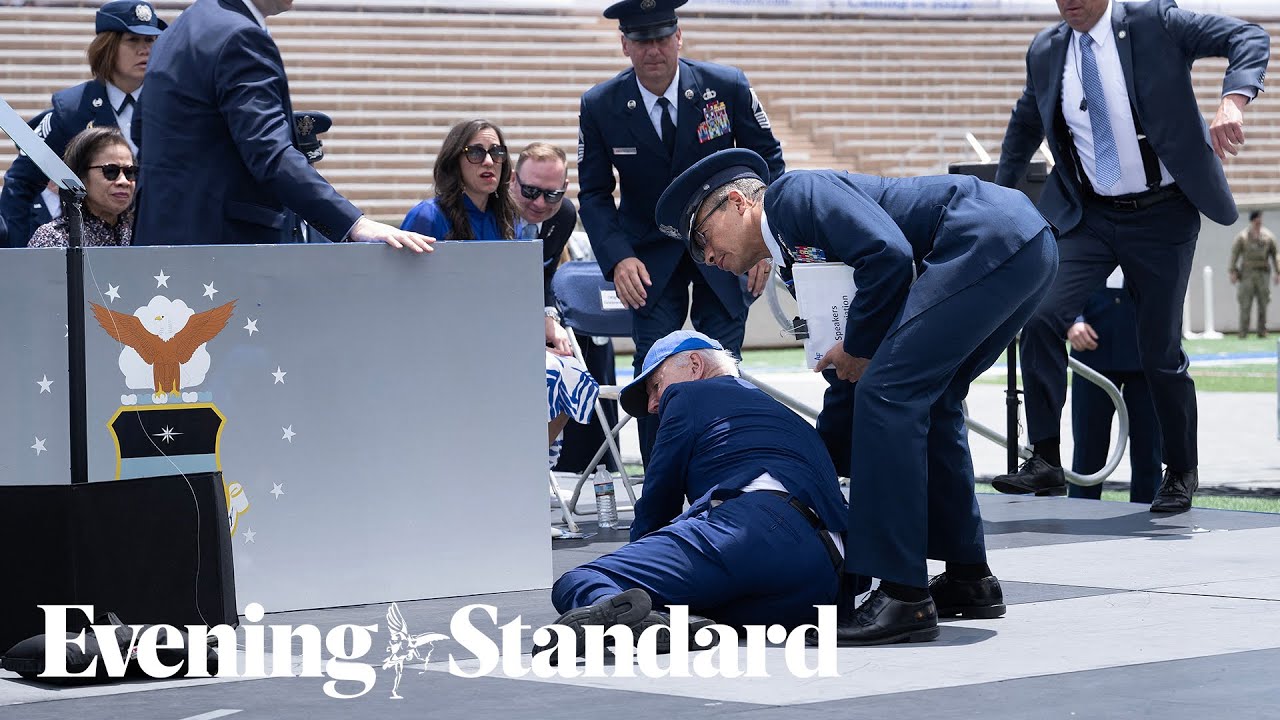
x=1114, y=612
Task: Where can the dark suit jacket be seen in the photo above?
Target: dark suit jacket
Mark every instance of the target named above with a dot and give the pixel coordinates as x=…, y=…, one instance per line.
x=1157, y=42
x=614, y=131
x=221, y=164
x=555, y=235
x=73, y=110
x=1111, y=313
x=951, y=230
x=721, y=434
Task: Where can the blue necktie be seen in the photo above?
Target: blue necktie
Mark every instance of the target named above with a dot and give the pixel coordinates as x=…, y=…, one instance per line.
x=1106, y=161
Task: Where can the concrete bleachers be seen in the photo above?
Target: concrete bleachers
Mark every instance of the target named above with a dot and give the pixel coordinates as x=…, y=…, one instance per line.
x=887, y=96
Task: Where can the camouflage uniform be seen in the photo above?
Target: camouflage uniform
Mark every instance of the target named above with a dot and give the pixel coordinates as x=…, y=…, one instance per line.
x=1253, y=259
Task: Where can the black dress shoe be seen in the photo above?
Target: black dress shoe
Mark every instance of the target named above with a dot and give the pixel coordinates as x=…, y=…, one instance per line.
x=1176, y=491
x=1035, y=476
x=982, y=599
x=881, y=620
x=663, y=619
x=630, y=608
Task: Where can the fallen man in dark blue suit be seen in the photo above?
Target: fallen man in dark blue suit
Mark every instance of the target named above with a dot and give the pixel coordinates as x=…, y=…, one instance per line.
x=760, y=542
x=947, y=269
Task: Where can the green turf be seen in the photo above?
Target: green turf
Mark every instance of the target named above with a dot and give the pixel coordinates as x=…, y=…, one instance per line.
x=1213, y=502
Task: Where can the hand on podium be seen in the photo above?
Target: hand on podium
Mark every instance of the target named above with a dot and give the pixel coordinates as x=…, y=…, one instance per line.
x=366, y=230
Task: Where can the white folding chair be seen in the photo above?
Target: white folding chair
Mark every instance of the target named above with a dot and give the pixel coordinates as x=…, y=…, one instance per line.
x=589, y=305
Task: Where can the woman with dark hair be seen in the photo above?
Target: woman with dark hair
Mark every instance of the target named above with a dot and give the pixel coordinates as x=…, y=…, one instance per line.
x=102, y=160
x=118, y=57
x=472, y=174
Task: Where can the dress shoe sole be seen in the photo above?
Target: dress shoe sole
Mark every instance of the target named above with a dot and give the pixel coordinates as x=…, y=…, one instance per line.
x=1009, y=488
x=630, y=608
x=924, y=635
x=975, y=612
x=1164, y=509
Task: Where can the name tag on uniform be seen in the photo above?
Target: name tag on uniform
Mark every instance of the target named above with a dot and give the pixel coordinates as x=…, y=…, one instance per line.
x=624, y=151
x=715, y=122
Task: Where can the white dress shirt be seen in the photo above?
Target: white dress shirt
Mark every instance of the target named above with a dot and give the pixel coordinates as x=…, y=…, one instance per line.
x=124, y=118
x=1133, y=177
x=257, y=15
x=651, y=103
x=771, y=242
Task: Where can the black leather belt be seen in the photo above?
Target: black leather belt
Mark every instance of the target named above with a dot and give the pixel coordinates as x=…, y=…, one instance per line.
x=1136, y=201
x=816, y=522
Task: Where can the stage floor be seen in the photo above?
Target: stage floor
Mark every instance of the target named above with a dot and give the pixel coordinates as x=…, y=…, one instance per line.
x=1113, y=612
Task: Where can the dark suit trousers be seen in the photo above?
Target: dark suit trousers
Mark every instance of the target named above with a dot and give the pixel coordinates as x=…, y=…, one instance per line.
x=911, y=491
x=752, y=560
x=665, y=314
x=1154, y=247
x=1091, y=413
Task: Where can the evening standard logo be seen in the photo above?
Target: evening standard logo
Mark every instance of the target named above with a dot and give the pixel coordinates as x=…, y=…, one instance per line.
x=259, y=651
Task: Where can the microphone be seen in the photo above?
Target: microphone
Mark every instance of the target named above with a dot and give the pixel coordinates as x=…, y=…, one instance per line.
x=1084, y=105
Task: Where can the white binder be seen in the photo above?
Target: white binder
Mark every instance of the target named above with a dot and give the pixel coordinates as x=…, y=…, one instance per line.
x=823, y=294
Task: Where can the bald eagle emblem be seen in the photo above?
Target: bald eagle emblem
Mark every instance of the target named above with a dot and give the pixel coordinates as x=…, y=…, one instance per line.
x=167, y=336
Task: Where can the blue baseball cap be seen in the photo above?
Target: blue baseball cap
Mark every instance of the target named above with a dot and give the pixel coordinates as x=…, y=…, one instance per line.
x=641, y=20
x=131, y=16
x=679, y=202
x=634, y=397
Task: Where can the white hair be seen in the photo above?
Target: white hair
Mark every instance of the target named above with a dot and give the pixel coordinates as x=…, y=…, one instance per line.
x=720, y=361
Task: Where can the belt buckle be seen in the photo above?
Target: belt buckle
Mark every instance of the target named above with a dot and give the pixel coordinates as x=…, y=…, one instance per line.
x=1125, y=205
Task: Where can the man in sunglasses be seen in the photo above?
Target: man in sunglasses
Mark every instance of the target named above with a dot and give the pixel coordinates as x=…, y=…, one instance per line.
x=221, y=164
x=649, y=123
x=947, y=270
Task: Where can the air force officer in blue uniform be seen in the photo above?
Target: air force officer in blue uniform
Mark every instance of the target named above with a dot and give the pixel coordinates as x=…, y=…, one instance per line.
x=221, y=163
x=1110, y=87
x=1105, y=337
x=947, y=270
x=758, y=544
x=650, y=123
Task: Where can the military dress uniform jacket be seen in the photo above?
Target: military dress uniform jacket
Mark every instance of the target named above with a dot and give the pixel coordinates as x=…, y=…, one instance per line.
x=74, y=109
x=717, y=436
x=221, y=166
x=1157, y=42
x=949, y=230
x=717, y=110
x=1112, y=315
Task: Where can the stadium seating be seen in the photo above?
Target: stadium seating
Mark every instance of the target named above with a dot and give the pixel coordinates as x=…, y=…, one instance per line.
x=887, y=96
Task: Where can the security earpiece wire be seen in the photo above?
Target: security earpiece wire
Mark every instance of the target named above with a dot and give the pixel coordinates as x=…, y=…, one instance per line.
x=177, y=470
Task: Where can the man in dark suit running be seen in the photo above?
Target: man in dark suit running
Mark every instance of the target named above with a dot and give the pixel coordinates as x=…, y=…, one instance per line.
x=1110, y=87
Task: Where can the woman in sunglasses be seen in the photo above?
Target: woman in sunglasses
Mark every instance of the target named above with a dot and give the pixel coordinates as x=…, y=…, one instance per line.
x=472, y=175
x=103, y=161
x=118, y=56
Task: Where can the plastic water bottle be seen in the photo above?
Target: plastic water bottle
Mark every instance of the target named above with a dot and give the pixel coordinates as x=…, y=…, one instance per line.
x=606, y=501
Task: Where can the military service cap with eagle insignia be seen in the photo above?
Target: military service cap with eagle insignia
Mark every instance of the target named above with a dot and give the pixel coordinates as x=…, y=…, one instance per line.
x=131, y=16
x=641, y=20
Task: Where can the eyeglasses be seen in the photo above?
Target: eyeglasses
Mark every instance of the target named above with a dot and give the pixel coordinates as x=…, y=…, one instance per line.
x=475, y=153
x=531, y=193
x=112, y=171
x=698, y=248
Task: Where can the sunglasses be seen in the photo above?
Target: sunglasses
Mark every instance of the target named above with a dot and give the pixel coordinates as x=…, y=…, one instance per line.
x=112, y=171
x=475, y=153
x=698, y=246
x=531, y=193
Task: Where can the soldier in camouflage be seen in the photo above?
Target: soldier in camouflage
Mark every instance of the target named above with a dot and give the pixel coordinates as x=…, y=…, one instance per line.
x=1253, y=262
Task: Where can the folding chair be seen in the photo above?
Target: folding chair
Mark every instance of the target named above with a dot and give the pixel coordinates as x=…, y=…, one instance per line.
x=589, y=305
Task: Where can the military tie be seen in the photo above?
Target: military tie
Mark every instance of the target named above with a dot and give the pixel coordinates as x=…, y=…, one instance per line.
x=668, y=127
x=1106, y=159
x=788, y=259
x=128, y=100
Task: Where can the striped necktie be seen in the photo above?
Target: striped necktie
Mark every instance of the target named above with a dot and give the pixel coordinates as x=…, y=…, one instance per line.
x=1106, y=160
